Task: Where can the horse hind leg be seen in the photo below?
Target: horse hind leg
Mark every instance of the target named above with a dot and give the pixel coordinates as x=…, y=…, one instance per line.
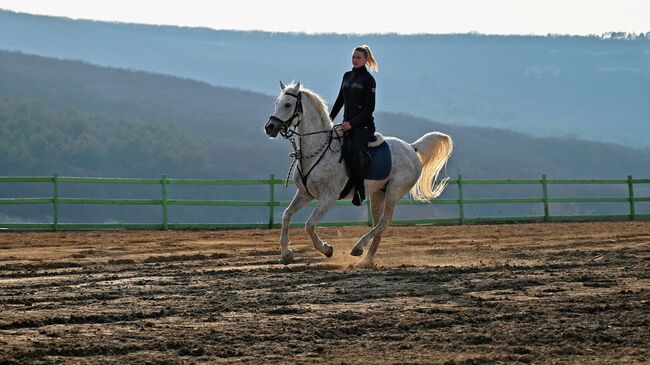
x=377, y=200
x=392, y=197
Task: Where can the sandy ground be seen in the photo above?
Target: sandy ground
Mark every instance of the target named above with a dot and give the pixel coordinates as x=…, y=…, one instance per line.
x=483, y=294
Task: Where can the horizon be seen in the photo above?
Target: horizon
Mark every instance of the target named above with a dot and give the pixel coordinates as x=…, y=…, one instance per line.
x=608, y=34
x=452, y=65
x=500, y=17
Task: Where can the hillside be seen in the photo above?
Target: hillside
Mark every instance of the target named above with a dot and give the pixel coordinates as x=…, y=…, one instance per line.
x=78, y=119
x=37, y=140
x=592, y=88
x=225, y=127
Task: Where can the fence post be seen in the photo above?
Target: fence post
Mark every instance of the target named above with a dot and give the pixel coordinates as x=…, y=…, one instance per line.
x=55, y=201
x=545, y=195
x=461, y=204
x=271, y=201
x=630, y=187
x=163, y=183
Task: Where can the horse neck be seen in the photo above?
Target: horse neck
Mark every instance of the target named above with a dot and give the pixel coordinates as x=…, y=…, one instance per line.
x=312, y=122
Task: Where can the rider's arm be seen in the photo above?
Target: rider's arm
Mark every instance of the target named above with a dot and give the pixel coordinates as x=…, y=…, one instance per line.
x=338, y=104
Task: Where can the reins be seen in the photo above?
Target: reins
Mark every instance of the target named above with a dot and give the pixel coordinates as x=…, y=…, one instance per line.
x=297, y=152
x=288, y=133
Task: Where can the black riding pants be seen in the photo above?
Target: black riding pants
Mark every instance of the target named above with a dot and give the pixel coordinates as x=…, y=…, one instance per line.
x=356, y=140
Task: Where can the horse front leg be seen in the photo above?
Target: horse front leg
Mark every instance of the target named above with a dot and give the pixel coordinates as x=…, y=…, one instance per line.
x=298, y=202
x=325, y=204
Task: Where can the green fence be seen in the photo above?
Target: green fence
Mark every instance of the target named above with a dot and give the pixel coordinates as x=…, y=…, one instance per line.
x=165, y=202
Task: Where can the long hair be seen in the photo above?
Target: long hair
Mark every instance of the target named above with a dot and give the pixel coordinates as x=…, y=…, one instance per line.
x=434, y=149
x=372, y=62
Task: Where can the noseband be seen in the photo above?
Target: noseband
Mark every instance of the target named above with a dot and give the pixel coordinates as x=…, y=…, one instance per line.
x=297, y=111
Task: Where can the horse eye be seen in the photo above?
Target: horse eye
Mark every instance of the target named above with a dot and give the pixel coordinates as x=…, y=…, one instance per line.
x=287, y=105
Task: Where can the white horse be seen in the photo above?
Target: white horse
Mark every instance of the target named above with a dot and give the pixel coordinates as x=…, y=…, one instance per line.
x=415, y=167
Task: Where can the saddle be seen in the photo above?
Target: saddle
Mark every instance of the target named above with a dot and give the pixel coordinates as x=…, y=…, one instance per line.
x=376, y=162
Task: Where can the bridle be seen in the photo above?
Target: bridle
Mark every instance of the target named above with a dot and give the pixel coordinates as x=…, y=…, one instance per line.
x=297, y=152
x=297, y=112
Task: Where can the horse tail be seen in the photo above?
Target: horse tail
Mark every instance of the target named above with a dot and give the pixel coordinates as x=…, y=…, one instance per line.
x=433, y=149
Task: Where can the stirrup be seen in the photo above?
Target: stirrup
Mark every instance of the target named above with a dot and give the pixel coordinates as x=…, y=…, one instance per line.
x=357, y=199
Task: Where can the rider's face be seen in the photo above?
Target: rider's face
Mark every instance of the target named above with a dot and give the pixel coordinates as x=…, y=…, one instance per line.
x=358, y=59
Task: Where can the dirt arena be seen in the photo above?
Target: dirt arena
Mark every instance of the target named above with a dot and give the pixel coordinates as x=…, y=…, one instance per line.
x=483, y=294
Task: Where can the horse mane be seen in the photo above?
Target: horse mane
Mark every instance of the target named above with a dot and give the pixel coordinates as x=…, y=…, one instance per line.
x=319, y=103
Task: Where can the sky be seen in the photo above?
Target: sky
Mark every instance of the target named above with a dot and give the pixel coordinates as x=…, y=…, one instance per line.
x=579, y=17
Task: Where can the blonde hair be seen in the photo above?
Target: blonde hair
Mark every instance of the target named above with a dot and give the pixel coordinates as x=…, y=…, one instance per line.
x=372, y=62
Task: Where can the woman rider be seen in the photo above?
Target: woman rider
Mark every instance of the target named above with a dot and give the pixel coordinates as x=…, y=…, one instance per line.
x=357, y=93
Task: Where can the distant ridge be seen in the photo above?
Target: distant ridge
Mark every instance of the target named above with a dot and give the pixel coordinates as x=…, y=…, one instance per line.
x=604, y=35
x=77, y=119
x=590, y=87
x=209, y=131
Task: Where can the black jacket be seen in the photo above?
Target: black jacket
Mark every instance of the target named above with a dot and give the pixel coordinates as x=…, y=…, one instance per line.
x=358, y=94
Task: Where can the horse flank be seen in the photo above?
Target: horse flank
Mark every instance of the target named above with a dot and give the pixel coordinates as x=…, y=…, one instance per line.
x=433, y=149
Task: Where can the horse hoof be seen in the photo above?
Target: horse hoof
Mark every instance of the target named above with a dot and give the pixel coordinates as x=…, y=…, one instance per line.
x=288, y=258
x=356, y=251
x=330, y=251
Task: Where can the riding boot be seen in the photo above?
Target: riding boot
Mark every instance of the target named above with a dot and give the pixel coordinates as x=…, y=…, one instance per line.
x=359, y=195
x=356, y=175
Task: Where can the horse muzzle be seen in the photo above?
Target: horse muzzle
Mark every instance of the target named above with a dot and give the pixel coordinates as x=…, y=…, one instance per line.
x=272, y=128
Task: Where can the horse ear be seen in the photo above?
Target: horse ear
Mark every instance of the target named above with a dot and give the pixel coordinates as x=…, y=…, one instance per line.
x=281, y=86
x=298, y=85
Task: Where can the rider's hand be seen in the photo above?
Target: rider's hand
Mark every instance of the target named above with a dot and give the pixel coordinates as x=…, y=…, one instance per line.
x=346, y=126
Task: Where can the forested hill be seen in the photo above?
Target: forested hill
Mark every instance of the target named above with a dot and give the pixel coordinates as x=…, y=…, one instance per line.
x=78, y=119
x=593, y=88
x=37, y=140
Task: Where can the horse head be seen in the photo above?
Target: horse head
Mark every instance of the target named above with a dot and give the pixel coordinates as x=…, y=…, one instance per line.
x=288, y=110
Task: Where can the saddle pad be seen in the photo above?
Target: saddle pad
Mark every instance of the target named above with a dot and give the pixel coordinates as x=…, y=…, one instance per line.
x=377, y=162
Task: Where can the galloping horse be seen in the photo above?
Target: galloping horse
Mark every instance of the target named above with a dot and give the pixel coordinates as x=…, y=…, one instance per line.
x=319, y=173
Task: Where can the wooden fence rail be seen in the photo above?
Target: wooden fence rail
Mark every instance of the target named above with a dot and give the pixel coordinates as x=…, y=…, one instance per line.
x=165, y=202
